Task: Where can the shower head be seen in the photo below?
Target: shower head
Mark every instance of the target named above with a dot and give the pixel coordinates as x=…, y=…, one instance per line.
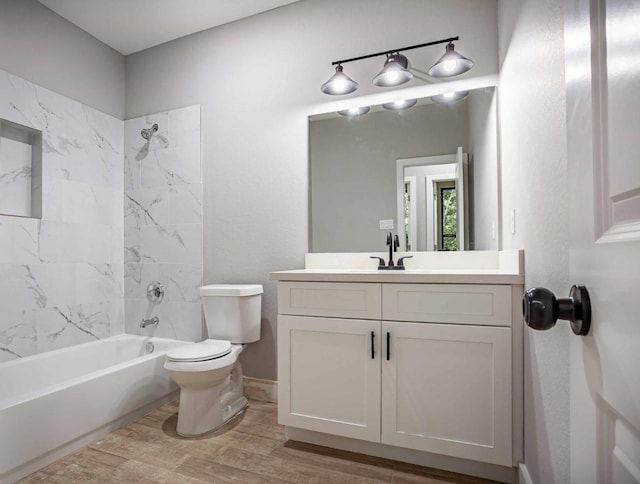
x=146, y=133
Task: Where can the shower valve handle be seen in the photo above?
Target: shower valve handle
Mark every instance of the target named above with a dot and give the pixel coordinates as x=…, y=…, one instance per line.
x=155, y=292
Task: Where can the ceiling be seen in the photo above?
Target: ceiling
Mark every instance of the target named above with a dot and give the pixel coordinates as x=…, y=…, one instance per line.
x=129, y=26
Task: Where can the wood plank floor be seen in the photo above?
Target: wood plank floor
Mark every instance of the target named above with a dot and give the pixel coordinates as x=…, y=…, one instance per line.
x=249, y=449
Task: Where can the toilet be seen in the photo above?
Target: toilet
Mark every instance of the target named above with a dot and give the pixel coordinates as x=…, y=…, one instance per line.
x=209, y=373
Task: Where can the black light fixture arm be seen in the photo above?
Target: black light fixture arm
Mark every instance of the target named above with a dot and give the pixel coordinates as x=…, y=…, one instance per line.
x=392, y=51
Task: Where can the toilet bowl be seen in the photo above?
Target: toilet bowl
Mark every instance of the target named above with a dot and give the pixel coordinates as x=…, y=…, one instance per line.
x=210, y=379
x=209, y=373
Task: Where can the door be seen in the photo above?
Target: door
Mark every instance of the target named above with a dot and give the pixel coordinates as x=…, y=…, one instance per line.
x=329, y=375
x=446, y=388
x=461, y=184
x=602, y=49
x=410, y=218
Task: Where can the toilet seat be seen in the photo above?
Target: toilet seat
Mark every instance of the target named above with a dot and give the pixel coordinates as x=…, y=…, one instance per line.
x=211, y=364
x=209, y=349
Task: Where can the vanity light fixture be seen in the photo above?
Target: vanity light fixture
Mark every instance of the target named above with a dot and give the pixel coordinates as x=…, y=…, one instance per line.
x=396, y=68
x=339, y=83
x=450, y=64
x=400, y=105
x=395, y=71
x=354, y=111
x=449, y=97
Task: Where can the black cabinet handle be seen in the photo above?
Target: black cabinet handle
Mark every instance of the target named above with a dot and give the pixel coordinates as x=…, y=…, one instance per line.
x=373, y=351
x=388, y=345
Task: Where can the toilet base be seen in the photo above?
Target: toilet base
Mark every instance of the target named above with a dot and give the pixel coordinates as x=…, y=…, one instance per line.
x=204, y=410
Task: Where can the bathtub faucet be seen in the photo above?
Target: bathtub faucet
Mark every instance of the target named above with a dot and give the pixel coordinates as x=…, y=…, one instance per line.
x=149, y=322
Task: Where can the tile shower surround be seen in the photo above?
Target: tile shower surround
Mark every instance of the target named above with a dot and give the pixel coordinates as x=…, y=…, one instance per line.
x=163, y=222
x=62, y=278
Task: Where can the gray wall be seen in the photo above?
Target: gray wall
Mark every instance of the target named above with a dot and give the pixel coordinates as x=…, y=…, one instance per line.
x=44, y=48
x=256, y=80
x=534, y=182
x=353, y=170
x=483, y=176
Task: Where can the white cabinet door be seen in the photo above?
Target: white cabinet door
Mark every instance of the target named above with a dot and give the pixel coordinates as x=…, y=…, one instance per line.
x=447, y=389
x=329, y=375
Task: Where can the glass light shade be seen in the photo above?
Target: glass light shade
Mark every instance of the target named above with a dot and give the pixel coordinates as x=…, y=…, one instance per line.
x=450, y=64
x=394, y=71
x=449, y=97
x=355, y=111
x=339, y=83
x=400, y=104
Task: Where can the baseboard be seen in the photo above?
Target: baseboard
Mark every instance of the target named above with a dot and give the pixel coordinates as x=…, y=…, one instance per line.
x=523, y=474
x=260, y=390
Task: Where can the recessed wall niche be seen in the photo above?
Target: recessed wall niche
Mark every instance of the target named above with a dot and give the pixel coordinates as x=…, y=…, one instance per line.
x=20, y=170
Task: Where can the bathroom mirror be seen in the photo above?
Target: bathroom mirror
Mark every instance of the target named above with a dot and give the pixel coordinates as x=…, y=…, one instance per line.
x=428, y=173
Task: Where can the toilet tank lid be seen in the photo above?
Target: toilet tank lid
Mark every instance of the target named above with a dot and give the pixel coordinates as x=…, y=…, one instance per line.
x=231, y=290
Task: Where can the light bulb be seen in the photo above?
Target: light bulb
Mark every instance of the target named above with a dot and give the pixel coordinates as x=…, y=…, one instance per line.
x=450, y=65
x=341, y=85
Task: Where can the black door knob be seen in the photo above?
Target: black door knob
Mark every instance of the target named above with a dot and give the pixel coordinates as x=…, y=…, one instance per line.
x=541, y=309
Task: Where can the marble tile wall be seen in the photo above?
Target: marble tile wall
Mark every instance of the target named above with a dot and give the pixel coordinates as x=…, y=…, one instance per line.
x=163, y=223
x=15, y=177
x=62, y=277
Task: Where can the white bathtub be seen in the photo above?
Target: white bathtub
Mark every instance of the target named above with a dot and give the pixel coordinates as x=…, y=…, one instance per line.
x=54, y=403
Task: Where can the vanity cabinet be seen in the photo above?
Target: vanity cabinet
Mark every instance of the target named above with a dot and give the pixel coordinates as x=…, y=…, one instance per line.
x=332, y=382
x=420, y=366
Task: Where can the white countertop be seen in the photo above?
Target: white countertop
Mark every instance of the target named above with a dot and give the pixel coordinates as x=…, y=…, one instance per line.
x=486, y=267
x=471, y=276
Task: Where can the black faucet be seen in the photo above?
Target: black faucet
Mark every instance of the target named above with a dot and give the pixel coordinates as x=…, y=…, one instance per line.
x=394, y=243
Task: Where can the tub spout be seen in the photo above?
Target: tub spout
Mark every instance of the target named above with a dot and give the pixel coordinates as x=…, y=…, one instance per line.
x=149, y=322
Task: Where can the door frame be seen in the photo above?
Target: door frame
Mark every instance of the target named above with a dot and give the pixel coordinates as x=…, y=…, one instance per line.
x=403, y=163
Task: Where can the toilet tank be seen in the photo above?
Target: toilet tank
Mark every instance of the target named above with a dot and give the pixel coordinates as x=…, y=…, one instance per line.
x=232, y=311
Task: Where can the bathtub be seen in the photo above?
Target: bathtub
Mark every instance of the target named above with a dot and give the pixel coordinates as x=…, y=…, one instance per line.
x=57, y=402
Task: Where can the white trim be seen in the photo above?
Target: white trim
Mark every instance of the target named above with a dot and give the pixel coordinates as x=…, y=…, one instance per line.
x=462, y=165
x=523, y=474
x=620, y=233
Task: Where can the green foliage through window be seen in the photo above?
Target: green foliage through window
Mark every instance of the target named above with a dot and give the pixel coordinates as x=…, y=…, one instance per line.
x=449, y=218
